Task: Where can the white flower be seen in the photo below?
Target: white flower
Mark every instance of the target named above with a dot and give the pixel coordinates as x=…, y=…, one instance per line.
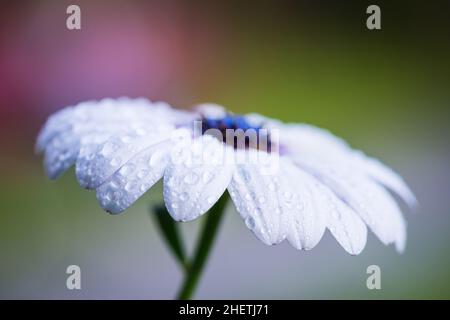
x=122, y=147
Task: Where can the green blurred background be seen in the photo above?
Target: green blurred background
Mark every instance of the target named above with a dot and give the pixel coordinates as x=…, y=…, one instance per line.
x=386, y=92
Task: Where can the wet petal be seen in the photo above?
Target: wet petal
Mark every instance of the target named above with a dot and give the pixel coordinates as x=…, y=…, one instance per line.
x=93, y=122
x=373, y=204
x=134, y=178
x=99, y=160
x=258, y=190
x=306, y=141
x=196, y=177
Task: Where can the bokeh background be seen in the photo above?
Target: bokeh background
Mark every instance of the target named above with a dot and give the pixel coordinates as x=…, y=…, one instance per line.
x=386, y=92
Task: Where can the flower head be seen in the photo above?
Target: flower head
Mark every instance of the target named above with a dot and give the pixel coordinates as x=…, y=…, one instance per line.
x=287, y=181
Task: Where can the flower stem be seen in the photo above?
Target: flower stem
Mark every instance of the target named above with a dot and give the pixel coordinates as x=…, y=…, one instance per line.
x=204, y=244
x=171, y=233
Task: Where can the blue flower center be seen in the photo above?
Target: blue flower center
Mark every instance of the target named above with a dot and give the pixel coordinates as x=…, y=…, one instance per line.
x=237, y=131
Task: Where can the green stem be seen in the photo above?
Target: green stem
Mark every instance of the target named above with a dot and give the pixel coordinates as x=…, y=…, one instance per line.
x=204, y=244
x=171, y=233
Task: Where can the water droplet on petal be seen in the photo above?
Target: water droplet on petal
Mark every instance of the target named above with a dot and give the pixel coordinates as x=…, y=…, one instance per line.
x=250, y=222
x=114, y=185
x=207, y=176
x=262, y=200
x=115, y=161
x=210, y=200
x=257, y=212
x=108, y=196
x=125, y=139
x=126, y=170
x=143, y=187
x=174, y=205
x=142, y=173
x=288, y=196
x=171, y=182
x=190, y=178
x=154, y=160
x=184, y=196
x=128, y=186
x=108, y=149
x=245, y=176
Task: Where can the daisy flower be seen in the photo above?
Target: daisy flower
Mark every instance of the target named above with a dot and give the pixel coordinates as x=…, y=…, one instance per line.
x=301, y=181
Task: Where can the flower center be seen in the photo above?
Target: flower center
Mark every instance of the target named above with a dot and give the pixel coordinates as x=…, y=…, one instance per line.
x=235, y=130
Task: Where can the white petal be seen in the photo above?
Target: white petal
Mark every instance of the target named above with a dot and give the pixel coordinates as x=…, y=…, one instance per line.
x=306, y=219
x=306, y=141
x=342, y=221
x=269, y=204
x=99, y=160
x=386, y=176
x=311, y=207
x=56, y=123
x=312, y=141
x=196, y=177
x=258, y=120
x=372, y=203
x=60, y=154
x=134, y=178
x=211, y=110
x=89, y=114
x=66, y=131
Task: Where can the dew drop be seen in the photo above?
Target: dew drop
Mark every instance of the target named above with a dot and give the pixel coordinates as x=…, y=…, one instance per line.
x=288, y=196
x=126, y=170
x=125, y=139
x=257, y=212
x=115, y=161
x=108, y=149
x=245, y=176
x=191, y=178
x=108, y=196
x=250, y=222
x=210, y=200
x=114, y=185
x=207, y=176
x=262, y=200
x=237, y=178
x=171, y=182
x=142, y=173
x=128, y=186
x=143, y=187
x=184, y=196
x=154, y=160
x=174, y=205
